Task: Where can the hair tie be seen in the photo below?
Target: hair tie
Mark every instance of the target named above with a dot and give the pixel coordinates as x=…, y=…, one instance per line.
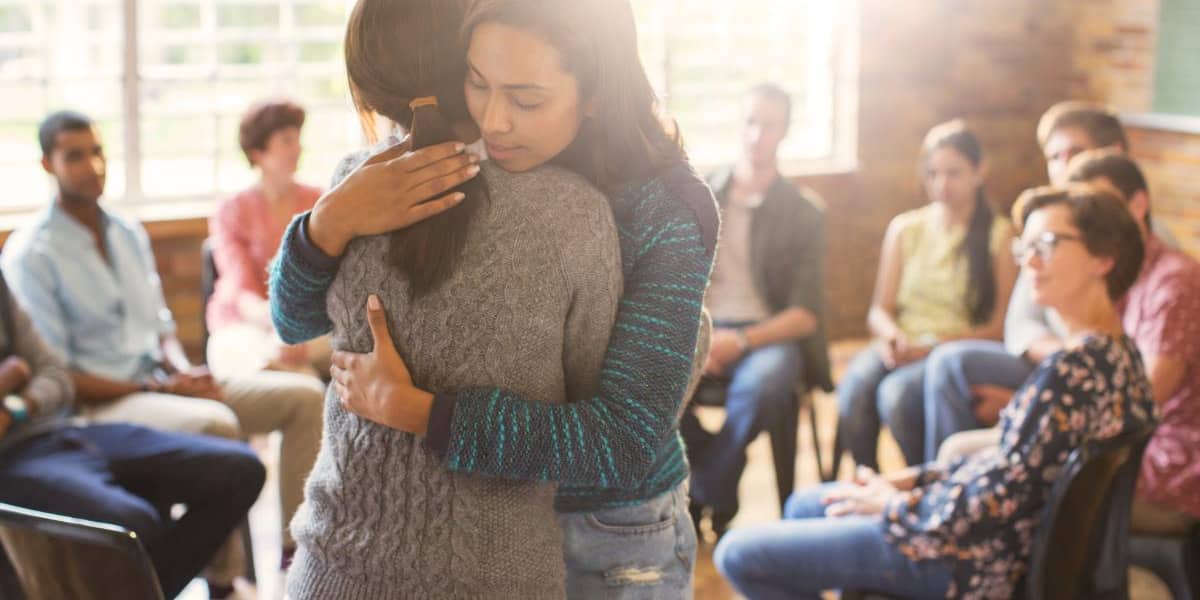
x=423, y=101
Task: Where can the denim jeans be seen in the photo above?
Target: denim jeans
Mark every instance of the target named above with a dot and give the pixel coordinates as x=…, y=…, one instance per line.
x=762, y=385
x=871, y=394
x=131, y=476
x=950, y=372
x=645, y=550
x=808, y=552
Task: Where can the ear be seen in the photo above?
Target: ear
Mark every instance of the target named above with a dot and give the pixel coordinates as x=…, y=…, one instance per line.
x=1103, y=265
x=1139, y=205
x=46, y=166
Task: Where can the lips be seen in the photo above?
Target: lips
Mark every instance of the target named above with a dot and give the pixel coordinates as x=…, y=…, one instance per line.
x=499, y=151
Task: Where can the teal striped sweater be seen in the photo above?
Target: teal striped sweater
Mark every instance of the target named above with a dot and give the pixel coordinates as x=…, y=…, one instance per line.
x=621, y=446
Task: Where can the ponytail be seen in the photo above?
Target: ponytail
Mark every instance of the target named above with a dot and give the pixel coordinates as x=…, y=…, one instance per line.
x=981, y=280
x=429, y=252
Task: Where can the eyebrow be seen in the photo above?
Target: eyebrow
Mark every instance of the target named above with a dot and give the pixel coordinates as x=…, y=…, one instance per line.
x=510, y=86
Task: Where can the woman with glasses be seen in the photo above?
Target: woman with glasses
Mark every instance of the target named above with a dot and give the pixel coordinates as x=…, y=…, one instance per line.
x=965, y=528
x=945, y=274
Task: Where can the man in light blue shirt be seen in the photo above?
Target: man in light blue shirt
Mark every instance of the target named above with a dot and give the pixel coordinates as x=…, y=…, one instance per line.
x=88, y=280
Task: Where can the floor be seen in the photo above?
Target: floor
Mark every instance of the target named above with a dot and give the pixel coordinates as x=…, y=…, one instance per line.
x=757, y=496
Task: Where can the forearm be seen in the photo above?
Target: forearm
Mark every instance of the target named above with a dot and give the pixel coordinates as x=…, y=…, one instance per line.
x=324, y=227
x=609, y=440
x=93, y=389
x=790, y=325
x=299, y=278
x=904, y=480
x=174, y=355
x=883, y=324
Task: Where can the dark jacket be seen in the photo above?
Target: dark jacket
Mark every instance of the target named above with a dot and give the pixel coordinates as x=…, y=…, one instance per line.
x=787, y=255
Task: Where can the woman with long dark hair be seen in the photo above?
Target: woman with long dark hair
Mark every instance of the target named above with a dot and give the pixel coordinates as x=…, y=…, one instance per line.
x=945, y=274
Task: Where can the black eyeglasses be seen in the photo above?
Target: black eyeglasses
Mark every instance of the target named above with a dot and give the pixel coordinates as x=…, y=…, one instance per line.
x=1043, y=245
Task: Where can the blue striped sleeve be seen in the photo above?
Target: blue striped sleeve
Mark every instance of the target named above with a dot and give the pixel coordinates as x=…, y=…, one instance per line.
x=610, y=439
x=297, y=282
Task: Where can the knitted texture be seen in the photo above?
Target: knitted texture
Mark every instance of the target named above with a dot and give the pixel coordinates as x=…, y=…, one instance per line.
x=623, y=445
x=530, y=309
x=668, y=229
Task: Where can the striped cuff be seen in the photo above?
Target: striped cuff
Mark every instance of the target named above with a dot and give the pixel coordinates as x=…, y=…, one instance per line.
x=441, y=419
x=307, y=251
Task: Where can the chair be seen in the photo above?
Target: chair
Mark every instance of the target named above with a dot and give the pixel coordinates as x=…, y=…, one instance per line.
x=712, y=392
x=1082, y=546
x=1174, y=559
x=58, y=557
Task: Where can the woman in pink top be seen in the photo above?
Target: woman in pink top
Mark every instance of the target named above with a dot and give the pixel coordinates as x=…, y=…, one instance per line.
x=245, y=233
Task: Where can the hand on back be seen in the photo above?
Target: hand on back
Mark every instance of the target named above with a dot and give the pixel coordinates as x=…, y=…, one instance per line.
x=392, y=190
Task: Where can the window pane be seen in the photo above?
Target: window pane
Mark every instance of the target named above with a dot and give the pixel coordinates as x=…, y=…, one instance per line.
x=714, y=50
x=15, y=19
x=53, y=58
x=204, y=62
x=247, y=15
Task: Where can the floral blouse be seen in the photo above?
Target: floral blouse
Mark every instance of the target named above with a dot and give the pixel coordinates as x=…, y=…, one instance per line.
x=981, y=512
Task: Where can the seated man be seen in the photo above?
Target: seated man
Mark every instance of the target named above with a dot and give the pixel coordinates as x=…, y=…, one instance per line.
x=766, y=304
x=88, y=279
x=1162, y=315
x=120, y=474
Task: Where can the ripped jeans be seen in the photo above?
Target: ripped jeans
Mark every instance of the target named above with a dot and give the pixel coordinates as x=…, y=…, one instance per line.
x=645, y=550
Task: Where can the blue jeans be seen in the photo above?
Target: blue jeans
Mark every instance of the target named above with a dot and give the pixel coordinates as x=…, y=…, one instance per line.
x=762, y=386
x=871, y=394
x=645, y=550
x=131, y=476
x=951, y=370
x=808, y=552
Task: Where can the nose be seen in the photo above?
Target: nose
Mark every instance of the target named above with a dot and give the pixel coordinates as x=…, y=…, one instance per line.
x=1032, y=259
x=496, y=117
x=98, y=165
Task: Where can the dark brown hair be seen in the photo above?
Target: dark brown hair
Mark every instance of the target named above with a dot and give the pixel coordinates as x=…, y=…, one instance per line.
x=1100, y=123
x=1114, y=166
x=626, y=140
x=58, y=122
x=398, y=51
x=1106, y=228
x=262, y=120
x=977, y=245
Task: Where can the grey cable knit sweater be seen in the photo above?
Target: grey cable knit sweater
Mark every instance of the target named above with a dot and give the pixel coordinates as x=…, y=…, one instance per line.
x=530, y=309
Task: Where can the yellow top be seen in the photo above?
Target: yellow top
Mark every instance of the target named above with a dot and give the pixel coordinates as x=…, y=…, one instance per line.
x=932, y=296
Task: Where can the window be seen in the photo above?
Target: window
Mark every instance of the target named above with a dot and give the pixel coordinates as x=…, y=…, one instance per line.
x=702, y=55
x=168, y=98
x=1177, y=75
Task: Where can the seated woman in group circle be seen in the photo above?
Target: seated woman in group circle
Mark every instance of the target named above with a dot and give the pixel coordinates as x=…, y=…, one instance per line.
x=945, y=274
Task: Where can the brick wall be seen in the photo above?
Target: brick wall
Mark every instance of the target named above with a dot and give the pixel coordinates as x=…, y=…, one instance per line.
x=999, y=64
x=991, y=62
x=1116, y=50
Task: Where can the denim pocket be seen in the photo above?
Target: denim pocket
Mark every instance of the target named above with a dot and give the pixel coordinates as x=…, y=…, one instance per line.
x=638, y=519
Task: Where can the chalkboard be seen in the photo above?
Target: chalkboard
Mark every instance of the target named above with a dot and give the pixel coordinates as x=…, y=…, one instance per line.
x=1177, y=76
